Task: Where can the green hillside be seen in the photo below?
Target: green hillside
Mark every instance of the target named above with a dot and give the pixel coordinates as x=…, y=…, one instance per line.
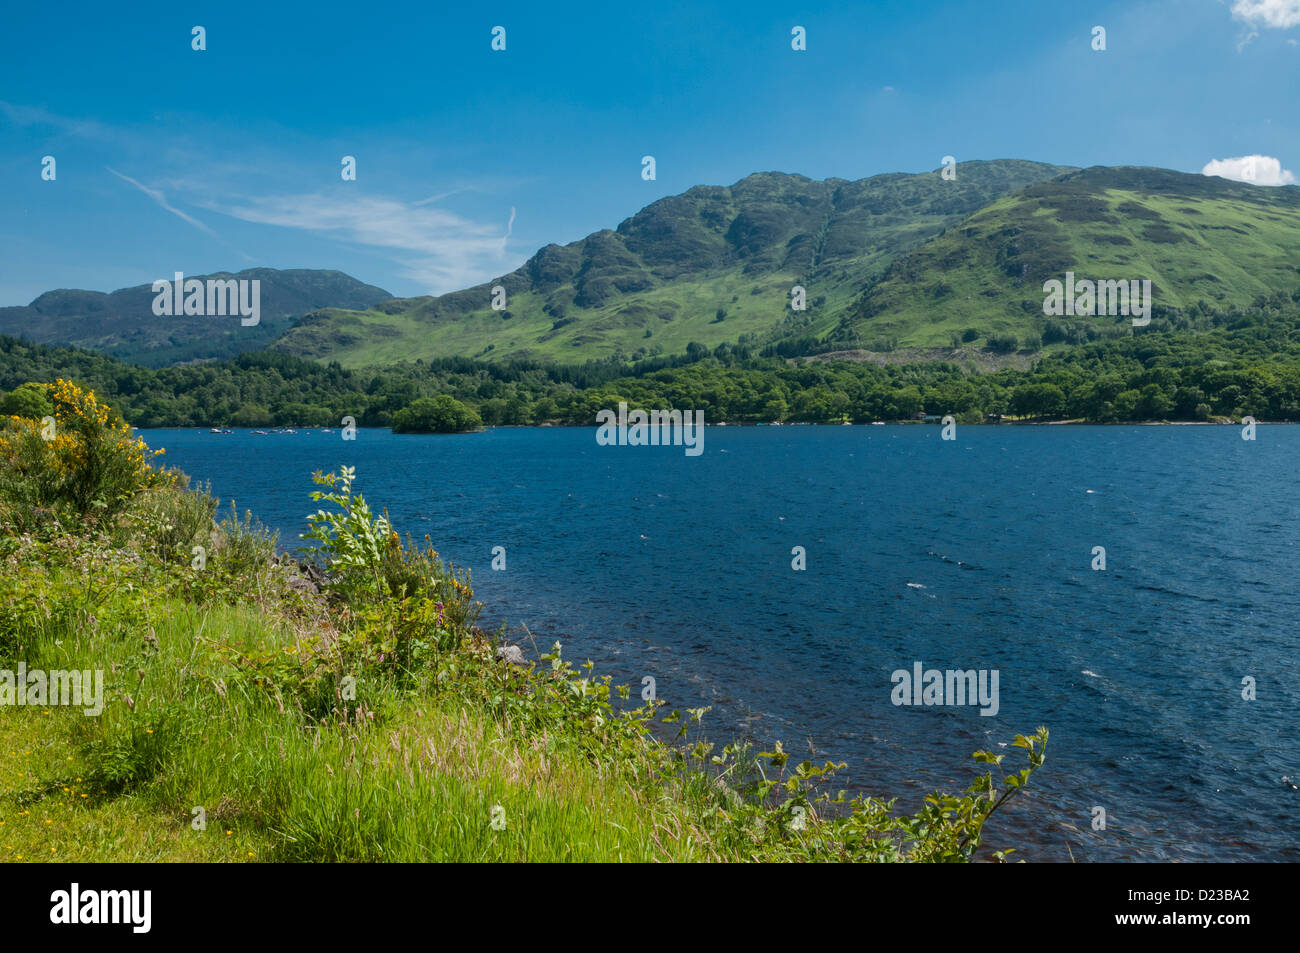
x=713, y=265
x=1205, y=243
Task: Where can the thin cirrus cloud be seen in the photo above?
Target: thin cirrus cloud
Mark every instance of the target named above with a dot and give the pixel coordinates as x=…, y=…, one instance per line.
x=442, y=250
x=37, y=116
x=1256, y=170
x=161, y=199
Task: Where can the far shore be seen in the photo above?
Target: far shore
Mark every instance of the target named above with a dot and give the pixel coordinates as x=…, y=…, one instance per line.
x=728, y=423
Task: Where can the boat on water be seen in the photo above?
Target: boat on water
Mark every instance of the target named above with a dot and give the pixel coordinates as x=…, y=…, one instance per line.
x=262, y=432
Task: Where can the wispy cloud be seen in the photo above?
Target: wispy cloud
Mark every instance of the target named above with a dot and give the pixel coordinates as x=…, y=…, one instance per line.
x=442, y=195
x=37, y=116
x=1267, y=14
x=439, y=249
x=442, y=250
x=1256, y=170
x=161, y=199
x=158, y=196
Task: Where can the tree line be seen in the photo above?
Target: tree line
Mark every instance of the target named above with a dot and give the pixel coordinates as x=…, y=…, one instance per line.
x=1250, y=368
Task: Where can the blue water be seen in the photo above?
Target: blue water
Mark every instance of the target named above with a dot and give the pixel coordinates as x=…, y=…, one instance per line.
x=650, y=562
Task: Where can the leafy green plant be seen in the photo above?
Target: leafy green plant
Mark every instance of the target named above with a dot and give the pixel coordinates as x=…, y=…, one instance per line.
x=353, y=540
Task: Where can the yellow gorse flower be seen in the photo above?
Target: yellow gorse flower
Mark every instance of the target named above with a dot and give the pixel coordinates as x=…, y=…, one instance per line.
x=90, y=455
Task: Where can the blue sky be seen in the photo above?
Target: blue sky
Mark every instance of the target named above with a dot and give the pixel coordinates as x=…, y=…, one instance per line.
x=469, y=160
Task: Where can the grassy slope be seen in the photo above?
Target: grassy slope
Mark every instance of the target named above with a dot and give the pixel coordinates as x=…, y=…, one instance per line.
x=669, y=269
x=422, y=787
x=205, y=707
x=1196, y=238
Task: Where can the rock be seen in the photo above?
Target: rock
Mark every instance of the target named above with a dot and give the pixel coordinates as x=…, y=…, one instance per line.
x=301, y=584
x=510, y=653
x=314, y=573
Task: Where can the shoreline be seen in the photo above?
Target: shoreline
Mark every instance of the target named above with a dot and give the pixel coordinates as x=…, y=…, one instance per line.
x=202, y=428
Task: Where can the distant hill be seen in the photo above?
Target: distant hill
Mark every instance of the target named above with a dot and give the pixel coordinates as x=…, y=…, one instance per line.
x=123, y=324
x=712, y=265
x=1205, y=243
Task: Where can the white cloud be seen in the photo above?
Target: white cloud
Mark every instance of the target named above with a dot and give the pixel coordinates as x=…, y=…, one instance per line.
x=158, y=196
x=450, y=252
x=1272, y=14
x=1257, y=170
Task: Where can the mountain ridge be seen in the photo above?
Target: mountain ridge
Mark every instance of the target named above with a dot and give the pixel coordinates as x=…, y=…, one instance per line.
x=122, y=322
x=678, y=270
x=898, y=262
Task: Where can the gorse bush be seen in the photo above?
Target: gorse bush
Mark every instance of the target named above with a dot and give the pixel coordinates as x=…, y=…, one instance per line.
x=80, y=460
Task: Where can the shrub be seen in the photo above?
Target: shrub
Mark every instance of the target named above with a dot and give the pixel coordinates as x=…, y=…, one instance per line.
x=28, y=400
x=369, y=561
x=81, y=458
x=353, y=540
x=172, y=520
x=247, y=545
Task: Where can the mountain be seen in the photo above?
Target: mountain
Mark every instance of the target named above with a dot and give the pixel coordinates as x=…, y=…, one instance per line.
x=914, y=264
x=123, y=324
x=712, y=265
x=1206, y=244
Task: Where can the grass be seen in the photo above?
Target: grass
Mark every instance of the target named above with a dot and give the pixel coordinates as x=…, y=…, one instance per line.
x=400, y=778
